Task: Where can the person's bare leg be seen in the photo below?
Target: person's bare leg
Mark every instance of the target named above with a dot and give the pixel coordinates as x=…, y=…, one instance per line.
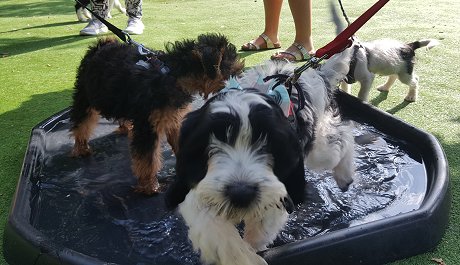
x=301, y=11
x=272, y=9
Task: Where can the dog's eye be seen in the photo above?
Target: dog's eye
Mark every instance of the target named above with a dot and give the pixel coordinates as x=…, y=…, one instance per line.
x=225, y=126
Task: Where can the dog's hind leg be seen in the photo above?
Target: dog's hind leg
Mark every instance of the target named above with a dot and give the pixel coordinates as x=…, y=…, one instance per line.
x=146, y=156
x=412, y=81
x=215, y=237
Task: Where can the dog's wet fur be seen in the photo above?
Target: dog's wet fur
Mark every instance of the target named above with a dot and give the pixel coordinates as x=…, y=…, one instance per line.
x=115, y=81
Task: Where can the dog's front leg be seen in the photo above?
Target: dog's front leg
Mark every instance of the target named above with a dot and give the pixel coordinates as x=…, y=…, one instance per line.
x=215, y=237
x=174, y=125
x=146, y=157
x=345, y=87
x=365, y=87
x=261, y=232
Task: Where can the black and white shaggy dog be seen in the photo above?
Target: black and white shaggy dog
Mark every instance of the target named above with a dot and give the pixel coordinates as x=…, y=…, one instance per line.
x=385, y=57
x=153, y=93
x=241, y=160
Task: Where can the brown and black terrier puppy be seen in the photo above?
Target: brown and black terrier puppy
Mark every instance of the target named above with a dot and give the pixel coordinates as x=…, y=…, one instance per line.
x=115, y=81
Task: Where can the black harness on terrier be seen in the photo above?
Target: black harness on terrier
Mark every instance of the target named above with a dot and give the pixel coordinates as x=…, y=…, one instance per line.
x=151, y=57
x=350, y=78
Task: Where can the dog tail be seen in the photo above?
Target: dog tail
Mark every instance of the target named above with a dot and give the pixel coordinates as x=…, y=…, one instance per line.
x=428, y=43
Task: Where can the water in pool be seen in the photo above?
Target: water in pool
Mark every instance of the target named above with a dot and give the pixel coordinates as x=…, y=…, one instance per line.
x=88, y=204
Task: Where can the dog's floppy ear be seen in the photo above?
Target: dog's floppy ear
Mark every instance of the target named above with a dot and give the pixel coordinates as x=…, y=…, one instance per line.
x=288, y=163
x=217, y=55
x=284, y=146
x=210, y=60
x=191, y=158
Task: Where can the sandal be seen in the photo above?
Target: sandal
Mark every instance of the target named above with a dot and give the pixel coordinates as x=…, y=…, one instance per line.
x=301, y=54
x=252, y=46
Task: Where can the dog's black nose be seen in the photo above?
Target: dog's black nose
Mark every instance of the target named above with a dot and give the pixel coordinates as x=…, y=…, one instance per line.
x=241, y=194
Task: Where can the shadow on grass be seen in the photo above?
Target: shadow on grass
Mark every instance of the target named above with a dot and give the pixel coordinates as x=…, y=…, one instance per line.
x=381, y=97
x=16, y=46
x=398, y=107
x=36, y=8
x=66, y=23
x=30, y=112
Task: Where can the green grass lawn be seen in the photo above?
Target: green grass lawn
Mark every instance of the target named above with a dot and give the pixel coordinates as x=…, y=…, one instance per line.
x=40, y=50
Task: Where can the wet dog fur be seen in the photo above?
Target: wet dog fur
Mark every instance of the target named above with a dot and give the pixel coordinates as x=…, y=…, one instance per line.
x=240, y=160
x=116, y=82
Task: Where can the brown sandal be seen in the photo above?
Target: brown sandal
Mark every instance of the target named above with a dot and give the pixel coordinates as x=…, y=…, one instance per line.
x=300, y=55
x=269, y=45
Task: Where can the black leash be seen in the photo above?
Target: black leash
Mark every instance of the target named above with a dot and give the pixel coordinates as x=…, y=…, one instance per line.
x=344, y=13
x=121, y=34
x=151, y=56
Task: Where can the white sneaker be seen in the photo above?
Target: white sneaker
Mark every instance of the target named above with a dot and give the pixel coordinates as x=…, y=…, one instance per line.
x=135, y=26
x=94, y=28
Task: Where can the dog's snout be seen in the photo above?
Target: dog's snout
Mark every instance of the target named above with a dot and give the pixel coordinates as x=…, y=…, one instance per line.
x=241, y=194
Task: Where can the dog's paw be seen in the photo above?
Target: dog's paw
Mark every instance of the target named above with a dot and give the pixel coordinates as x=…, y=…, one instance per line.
x=343, y=182
x=81, y=151
x=383, y=88
x=343, y=174
x=150, y=189
x=228, y=257
x=410, y=98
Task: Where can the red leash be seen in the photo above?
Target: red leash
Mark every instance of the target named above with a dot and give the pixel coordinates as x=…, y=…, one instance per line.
x=340, y=43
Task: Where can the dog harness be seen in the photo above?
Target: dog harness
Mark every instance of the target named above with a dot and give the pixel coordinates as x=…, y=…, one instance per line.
x=151, y=60
x=290, y=102
x=350, y=78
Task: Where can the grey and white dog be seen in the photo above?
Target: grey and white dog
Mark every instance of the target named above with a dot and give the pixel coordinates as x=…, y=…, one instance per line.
x=240, y=159
x=386, y=57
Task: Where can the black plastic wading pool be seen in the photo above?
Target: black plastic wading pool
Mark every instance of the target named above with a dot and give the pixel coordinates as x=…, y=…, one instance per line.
x=83, y=211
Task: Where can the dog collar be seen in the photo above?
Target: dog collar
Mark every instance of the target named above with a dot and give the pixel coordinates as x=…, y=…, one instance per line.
x=276, y=90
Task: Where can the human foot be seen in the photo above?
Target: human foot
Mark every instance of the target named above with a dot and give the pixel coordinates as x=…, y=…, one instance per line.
x=295, y=53
x=263, y=42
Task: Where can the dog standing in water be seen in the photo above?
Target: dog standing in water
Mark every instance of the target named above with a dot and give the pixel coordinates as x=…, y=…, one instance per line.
x=242, y=155
x=152, y=92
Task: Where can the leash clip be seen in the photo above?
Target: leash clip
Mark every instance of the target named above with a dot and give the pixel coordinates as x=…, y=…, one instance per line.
x=312, y=62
